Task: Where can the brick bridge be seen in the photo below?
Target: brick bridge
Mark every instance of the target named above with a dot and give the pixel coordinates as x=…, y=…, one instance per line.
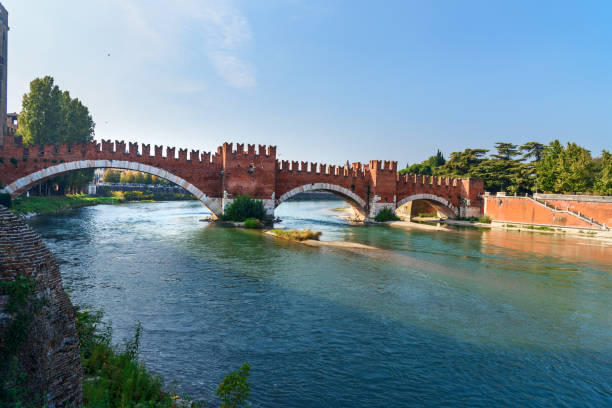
x=216, y=179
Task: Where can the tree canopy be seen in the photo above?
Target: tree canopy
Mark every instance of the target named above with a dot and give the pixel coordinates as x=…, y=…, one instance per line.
x=530, y=167
x=50, y=115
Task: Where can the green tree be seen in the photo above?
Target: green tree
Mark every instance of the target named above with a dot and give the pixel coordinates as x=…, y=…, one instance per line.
x=562, y=170
x=41, y=117
x=463, y=164
x=426, y=167
x=603, y=182
x=532, y=150
x=505, y=151
x=49, y=115
x=77, y=124
x=111, y=176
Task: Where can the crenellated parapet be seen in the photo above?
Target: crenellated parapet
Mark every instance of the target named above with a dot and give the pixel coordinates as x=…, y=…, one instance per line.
x=235, y=169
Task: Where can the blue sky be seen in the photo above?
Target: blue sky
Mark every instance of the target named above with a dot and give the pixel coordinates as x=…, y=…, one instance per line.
x=326, y=81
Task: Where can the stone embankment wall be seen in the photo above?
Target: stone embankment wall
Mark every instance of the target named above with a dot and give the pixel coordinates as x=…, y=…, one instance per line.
x=50, y=355
x=529, y=211
x=597, y=207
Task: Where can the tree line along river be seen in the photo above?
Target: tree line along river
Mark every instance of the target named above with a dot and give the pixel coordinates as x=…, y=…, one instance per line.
x=458, y=318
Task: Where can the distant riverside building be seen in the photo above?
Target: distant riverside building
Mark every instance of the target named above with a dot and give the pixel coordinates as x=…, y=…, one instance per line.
x=11, y=123
x=4, y=128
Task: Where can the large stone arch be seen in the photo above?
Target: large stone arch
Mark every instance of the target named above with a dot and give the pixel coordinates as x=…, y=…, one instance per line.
x=444, y=205
x=358, y=203
x=23, y=184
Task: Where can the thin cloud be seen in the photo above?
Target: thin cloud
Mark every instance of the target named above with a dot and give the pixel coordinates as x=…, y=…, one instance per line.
x=225, y=32
x=233, y=70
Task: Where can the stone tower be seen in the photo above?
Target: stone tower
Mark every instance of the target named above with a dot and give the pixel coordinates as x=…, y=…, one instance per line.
x=3, y=71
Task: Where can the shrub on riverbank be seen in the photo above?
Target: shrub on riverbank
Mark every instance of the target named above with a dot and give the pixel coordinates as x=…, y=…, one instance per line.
x=55, y=204
x=244, y=207
x=235, y=388
x=386, y=214
x=113, y=376
x=485, y=219
x=297, y=235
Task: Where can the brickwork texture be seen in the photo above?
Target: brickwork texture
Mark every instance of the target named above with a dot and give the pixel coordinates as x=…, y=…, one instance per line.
x=50, y=356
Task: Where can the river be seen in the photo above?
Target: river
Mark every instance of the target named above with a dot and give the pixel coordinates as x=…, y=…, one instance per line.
x=457, y=318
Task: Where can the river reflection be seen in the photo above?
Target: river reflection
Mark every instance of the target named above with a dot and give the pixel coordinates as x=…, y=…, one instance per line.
x=464, y=317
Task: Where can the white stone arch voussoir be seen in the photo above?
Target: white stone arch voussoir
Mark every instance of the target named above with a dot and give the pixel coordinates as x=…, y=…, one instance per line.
x=24, y=183
x=429, y=197
x=334, y=188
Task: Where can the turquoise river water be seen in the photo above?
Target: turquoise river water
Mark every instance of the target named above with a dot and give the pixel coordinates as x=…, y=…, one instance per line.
x=457, y=318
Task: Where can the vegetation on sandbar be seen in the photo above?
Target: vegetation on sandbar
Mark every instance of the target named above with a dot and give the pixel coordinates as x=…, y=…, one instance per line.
x=297, y=235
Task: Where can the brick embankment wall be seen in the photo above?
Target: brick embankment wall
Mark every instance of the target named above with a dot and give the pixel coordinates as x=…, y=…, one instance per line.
x=524, y=210
x=50, y=355
x=597, y=207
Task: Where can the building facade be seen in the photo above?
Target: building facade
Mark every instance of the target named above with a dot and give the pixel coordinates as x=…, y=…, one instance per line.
x=4, y=28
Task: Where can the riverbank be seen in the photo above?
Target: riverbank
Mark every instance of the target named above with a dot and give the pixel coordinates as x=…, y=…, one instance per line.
x=27, y=207
x=447, y=226
x=114, y=376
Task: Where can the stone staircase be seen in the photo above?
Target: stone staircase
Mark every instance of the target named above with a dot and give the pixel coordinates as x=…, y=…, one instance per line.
x=551, y=207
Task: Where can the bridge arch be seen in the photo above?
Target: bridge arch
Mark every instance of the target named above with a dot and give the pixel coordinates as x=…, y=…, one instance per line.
x=23, y=184
x=358, y=203
x=439, y=203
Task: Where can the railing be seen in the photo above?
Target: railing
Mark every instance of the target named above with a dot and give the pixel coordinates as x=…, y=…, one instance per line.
x=566, y=211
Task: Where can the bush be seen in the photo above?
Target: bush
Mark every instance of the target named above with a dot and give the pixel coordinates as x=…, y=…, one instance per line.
x=252, y=223
x=244, y=207
x=386, y=214
x=14, y=161
x=114, y=376
x=234, y=389
x=485, y=219
x=5, y=200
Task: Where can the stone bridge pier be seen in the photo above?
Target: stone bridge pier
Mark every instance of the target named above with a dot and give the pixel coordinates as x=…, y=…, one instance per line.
x=216, y=179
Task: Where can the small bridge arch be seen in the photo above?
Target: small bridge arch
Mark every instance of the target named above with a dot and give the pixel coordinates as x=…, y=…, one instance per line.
x=23, y=184
x=358, y=203
x=439, y=203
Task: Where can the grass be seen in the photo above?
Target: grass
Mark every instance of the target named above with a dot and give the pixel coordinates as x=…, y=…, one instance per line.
x=114, y=376
x=539, y=228
x=56, y=204
x=297, y=235
x=428, y=215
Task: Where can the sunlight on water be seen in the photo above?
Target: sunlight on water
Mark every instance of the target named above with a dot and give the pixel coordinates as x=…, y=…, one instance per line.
x=432, y=318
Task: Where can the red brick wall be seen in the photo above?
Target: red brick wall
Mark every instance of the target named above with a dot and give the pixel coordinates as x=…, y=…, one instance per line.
x=599, y=211
x=524, y=210
x=50, y=355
